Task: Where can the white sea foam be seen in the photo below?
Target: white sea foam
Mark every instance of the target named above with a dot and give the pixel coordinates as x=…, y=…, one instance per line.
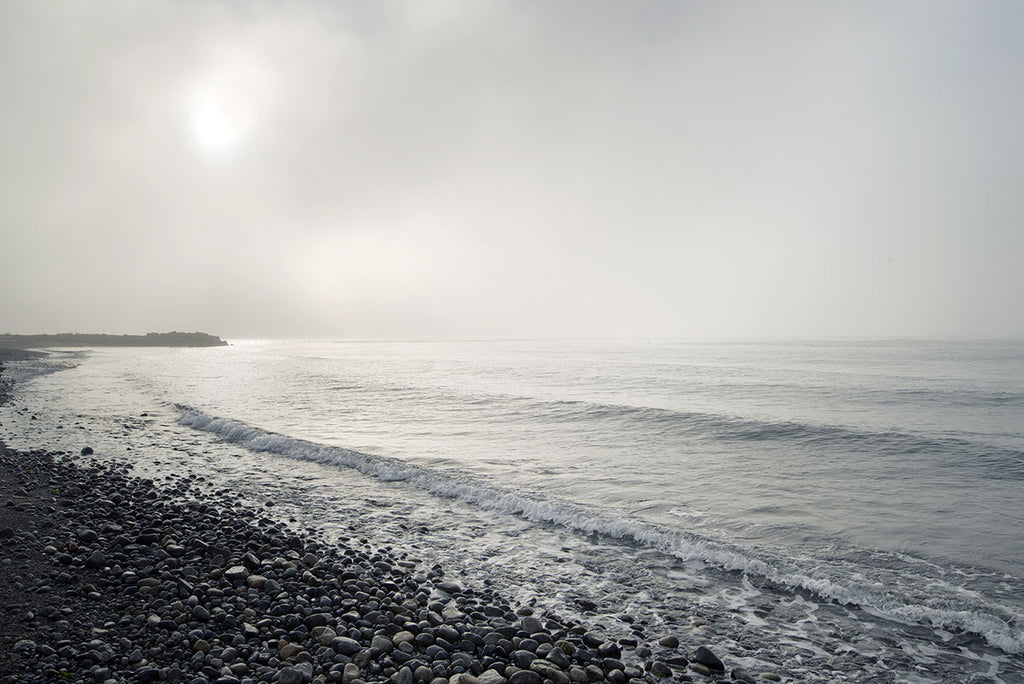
x=998, y=626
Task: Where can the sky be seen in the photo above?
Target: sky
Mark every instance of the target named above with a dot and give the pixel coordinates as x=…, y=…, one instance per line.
x=531, y=168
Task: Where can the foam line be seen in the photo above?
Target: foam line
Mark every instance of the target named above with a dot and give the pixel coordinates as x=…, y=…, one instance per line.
x=998, y=626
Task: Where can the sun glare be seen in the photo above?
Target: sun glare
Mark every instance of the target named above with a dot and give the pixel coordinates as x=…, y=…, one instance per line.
x=214, y=129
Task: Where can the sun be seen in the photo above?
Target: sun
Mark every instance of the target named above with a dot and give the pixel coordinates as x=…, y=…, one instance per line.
x=214, y=128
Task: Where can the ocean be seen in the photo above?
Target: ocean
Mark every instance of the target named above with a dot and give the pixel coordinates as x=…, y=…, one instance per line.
x=827, y=511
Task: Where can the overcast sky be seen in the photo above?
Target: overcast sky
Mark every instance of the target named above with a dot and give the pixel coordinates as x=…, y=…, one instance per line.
x=526, y=168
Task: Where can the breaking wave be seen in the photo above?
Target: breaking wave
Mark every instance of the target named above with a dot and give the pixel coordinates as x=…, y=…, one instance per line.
x=885, y=592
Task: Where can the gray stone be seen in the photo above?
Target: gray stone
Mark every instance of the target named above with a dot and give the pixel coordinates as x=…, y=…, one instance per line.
x=324, y=635
x=491, y=677
x=578, y=675
x=452, y=614
x=705, y=657
x=402, y=637
x=403, y=676
x=660, y=670
x=291, y=675
x=345, y=646
x=24, y=646
x=317, y=620
x=522, y=658
x=236, y=572
x=549, y=670
x=352, y=672
x=382, y=643
x=96, y=561
x=286, y=650
x=669, y=641
x=525, y=677
x=701, y=669
x=740, y=675
x=532, y=625
x=558, y=657
x=256, y=581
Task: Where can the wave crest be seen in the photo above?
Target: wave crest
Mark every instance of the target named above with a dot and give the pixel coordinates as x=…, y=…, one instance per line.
x=1000, y=627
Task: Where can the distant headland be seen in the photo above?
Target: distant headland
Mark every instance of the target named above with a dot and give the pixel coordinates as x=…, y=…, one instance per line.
x=168, y=339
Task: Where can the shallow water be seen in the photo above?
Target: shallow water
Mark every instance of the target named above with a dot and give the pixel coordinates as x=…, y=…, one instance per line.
x=810, y=509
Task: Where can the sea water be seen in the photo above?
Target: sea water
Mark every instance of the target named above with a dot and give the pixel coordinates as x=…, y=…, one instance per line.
x=840, y=510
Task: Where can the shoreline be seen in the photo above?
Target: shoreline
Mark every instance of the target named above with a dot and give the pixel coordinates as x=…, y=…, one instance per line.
x=111, y=578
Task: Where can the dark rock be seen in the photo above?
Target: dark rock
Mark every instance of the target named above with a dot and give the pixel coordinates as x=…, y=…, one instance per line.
x=661, y=670
x=525, y=677
x=96, y=561
x=345, y=646
x=705, y=657
x=669, y=641
x=740, y=675
x=290, y=675
x=86, y=451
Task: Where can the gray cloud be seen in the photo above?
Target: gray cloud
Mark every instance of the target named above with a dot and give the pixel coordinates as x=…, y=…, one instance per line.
x=519, y=168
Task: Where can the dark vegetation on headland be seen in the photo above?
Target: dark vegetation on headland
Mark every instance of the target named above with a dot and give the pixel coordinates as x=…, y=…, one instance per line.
x=168, y=339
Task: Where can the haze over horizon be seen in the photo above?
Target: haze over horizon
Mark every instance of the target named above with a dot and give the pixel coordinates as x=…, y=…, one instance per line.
x=513, y=169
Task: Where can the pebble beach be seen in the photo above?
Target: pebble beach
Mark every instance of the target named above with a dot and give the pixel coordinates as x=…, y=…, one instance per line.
x=113, y=578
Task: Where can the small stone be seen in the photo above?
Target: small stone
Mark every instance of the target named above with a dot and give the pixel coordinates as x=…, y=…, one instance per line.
x=86, y=451
x=401, y=637
x=403, y=676
x=532, y=625
x=549, y=670
x=24, y=646
x=317, y=620
x=740, y=675
x=452, y=614
x=701, y=669
x=491, y=677
x=705, y=657
x=235, y=572
x=290, y=675
x=669, y=641
x=352, y=672
x=345, y=646
x=256, y=581
x=382, y=643
x=287, y=650
x=324, y=635
x=525, y=677
x=660, y=670
x=558, y=657
x=609, y=649
x=96, y=561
